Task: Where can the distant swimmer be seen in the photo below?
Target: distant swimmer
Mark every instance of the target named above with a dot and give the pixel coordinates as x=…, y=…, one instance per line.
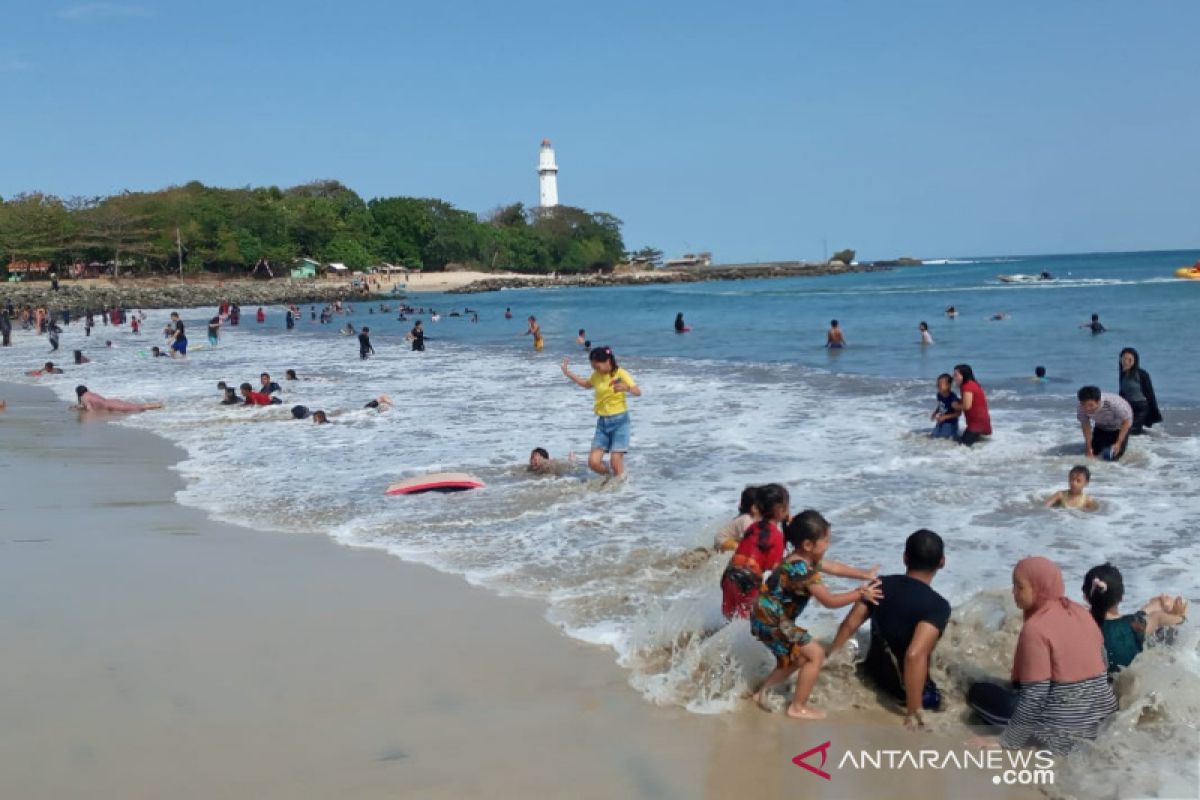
x=90, y=401
x=1094, y=325
x=508, y=313
x=951, y=312
x=926, y=336
x=535, y=331
x=582, y=337
x=834, y=338
x=80, y=358
x=364, y=344
x=320, y=418
x=156, y=352
x=999, y=316
x=381, y=403
x=348, y=330
x=680, y=325
x=231, y=397
x=1039, y=375
x=290, y=375
x=1074, y=497
x=214, y=331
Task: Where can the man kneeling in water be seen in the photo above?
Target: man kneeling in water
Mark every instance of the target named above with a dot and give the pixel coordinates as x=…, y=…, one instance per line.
x=905, y=627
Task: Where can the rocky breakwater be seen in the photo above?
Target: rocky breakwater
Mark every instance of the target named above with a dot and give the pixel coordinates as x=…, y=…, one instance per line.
x=724, y=272
x=82, y=296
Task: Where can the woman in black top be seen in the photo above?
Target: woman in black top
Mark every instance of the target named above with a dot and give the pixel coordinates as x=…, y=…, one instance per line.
x=1137, y=390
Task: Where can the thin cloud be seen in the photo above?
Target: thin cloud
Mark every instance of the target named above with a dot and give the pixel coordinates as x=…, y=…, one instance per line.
x=86, y=11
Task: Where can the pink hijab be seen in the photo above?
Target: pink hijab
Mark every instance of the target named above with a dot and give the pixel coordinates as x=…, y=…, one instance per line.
x=1059, y=640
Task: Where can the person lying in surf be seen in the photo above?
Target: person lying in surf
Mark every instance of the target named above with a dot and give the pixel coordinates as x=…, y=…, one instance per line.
x=541, y=462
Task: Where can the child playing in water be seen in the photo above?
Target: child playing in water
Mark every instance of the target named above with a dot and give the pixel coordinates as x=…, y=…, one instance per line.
x=1039, y=375
x=926, y=336
x=541, y=462
x=1077, y=480
x=758, y=553
x=611, y=384
x=787, y=592
x=1125, y=636
x=732, y=532
x=945, y=414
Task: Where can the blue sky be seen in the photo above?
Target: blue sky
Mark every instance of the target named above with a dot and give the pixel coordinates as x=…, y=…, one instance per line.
x=755, y=130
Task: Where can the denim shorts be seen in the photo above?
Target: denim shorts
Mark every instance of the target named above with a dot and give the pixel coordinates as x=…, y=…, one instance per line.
x=612, y=433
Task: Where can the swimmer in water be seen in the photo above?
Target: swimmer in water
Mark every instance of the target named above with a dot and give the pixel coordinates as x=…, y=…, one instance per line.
x=47, y=369
x=319, y=418
x=1094, y=325
x=90, y=401
x=951, y=312
x=581, y=338
x=680, y=325
x=999, y=316
x=541, y=462
x=926, y=337
x=268, y=386
x=834, y=338
x=290, y=375
x=381, y=403
x=1039, y=375
x=508, y=313
x=155, y=352
x=254, y=398
x=231, y=398
x=1074, y=497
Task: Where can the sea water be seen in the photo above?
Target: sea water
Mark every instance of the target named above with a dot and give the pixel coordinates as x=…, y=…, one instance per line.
x=749, y=396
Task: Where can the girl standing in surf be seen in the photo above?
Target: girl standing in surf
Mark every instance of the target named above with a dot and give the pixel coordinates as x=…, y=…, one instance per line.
x=611, y=384
x=535, y=331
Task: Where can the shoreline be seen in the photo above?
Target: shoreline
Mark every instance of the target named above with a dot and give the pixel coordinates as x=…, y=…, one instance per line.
x=159, y=653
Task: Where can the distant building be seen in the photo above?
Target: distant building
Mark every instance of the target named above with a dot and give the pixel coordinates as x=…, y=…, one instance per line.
x=547, y=176
x=305, y=268
x=689, y=260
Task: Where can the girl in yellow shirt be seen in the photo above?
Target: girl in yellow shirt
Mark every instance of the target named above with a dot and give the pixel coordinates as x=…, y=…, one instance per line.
x=611, y=384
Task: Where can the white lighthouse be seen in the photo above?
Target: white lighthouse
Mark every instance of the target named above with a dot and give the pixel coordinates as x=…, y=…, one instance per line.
x=547, y=177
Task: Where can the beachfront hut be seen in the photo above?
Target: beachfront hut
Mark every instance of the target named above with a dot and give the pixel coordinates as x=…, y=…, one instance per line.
x=305, y=268
x=338, y=269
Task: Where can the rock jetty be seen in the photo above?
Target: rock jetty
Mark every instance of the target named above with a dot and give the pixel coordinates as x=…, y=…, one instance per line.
x=724, y=272
x=83, y=296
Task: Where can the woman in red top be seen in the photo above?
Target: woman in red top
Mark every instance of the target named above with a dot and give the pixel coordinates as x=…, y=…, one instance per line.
x=759, y=552
x=973, y=404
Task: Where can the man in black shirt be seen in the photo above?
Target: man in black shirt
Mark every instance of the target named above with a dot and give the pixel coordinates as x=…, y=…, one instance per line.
x=905, y=627
x=364, y=343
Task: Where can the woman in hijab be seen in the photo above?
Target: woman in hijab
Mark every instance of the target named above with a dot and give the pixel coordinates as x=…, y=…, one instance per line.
x=1135, y=386
x=1059, y=670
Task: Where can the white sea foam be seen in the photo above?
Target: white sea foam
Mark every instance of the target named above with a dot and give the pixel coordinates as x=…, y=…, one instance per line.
x=619, y=566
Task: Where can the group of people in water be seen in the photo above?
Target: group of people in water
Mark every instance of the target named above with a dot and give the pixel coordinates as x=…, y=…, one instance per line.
x=1059, y=690
x=1066, y=653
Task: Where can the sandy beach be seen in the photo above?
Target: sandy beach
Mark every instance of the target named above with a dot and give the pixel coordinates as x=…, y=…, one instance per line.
x=155, y=653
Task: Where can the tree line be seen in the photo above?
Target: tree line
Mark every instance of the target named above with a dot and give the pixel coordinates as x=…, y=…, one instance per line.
x=226, y=230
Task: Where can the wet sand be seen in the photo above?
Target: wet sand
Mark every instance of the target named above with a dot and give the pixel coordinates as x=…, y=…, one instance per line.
x=151, y=652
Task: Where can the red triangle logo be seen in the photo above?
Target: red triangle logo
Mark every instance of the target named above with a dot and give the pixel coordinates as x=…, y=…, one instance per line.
x=823, y=749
